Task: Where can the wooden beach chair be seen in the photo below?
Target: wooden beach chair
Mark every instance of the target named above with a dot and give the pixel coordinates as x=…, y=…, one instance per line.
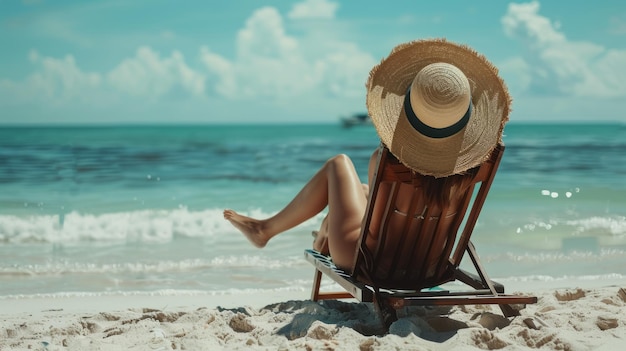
x=407, y=267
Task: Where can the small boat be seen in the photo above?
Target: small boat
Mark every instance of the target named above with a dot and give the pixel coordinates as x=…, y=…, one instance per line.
x=359, y=119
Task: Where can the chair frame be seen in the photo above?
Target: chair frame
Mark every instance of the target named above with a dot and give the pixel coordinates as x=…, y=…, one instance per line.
x=365, y=285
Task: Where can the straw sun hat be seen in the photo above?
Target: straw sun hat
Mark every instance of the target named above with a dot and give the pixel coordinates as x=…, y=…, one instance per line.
x=439, y=107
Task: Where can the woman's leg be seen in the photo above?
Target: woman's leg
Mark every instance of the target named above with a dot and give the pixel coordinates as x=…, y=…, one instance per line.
x=335, y=185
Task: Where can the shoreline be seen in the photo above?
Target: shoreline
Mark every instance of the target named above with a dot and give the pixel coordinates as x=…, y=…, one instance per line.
x=94, y=303
x=577, y=318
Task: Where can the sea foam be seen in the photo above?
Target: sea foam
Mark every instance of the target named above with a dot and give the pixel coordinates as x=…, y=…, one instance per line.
x=142, y=226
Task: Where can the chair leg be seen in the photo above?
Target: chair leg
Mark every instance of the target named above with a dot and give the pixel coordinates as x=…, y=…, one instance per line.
x=316, y=295
x=317, y=280
x=386, y=313
x=507, y=310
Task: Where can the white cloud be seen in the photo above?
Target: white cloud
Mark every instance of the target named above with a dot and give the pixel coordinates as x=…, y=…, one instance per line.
x=60, y=81
x=517, y=73
x=270, y=68
x=617, y=25
x=63, y=28
x=559, y=66
x=265, y=35
x=522, y=20
x=270, y=63
x=55, y=80
x=322, y=9
x=148, y=75
x=346, y=71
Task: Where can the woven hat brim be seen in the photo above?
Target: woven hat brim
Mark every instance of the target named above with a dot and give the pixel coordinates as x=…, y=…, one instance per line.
x=439, y=157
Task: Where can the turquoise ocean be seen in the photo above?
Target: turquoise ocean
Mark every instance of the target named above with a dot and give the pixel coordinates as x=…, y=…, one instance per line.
x=137, y=210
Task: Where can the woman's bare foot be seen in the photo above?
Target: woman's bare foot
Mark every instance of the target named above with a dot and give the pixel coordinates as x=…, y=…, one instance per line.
x=250, y=227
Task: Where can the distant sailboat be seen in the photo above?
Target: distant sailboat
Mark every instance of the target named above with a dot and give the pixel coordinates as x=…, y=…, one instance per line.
x=359, y=119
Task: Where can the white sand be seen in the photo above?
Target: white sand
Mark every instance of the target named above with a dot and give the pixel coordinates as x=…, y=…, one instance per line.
x=563, y=319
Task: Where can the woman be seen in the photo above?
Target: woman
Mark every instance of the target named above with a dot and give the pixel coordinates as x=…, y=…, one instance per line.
x=439, y=107
x=335, y=185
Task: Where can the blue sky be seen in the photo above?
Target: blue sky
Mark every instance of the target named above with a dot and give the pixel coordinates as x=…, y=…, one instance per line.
x=256, y=61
